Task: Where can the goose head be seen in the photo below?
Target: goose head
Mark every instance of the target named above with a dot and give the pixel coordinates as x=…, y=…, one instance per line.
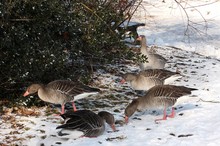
x=109, y=119
x=128, y=77
x=130, y=109
x=32, y=89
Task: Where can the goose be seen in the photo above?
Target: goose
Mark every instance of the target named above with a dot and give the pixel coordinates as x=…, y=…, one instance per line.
x=85, y=123
x=146, y=79
x=158, y=96
x=154, y=61
x=61, y=92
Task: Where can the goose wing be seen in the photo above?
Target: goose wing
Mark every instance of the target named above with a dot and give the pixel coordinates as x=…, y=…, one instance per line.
x=168, y=94
x=158, y=57
x=169, y=91
x=70, y=88
x=161, y=74
x=84, y=120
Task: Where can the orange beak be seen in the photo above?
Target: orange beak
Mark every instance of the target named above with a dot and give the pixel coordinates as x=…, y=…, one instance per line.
x=26, y=93
x=122, y=81
x=139, y=38
x=113, y=127
x=126, y=119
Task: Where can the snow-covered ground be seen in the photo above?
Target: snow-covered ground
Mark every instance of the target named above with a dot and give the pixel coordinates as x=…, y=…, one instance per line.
x=166, y=24
x=197, y=118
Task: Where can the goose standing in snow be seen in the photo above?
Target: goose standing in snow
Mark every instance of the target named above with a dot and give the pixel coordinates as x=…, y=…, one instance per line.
x=146, y=79
x=85, y=123
x=61, y=92
x=158, y=96
x=154, y=61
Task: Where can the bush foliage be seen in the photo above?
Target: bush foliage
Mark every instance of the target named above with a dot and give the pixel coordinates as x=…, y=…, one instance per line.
x=44, y=40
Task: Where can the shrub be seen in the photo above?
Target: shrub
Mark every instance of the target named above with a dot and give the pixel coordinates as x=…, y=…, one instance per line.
x=44, y=40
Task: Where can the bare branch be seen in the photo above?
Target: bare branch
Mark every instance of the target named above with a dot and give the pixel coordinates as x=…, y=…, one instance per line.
x=26, y=19
x=202, y=5
x=211, y=101
x=193, y=26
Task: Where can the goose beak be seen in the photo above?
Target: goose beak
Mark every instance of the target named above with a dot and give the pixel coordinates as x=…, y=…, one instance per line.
x=113, y=127
x=122, y=81
x=26, y=93
x=126, y=119
x=139, y=38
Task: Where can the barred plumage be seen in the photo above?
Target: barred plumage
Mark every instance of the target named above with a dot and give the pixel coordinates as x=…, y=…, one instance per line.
x=146, y=79
x=161, y=74
x=160, y=95
x=61, y=91
x=86, y=121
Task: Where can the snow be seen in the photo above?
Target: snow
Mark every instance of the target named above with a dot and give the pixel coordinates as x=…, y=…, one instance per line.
x=197, y=115
x=169, y=23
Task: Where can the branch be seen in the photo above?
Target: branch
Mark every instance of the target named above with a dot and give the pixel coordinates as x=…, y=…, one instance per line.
x=202, y=5
x=191, y=24
x=21, y=20
x=187, y=16
x=212, y=101
x=129, y=11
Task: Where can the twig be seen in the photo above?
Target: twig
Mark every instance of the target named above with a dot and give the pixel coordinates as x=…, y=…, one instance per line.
x=202, y=4
x=25, y=19
x=191, y=24
x=187, y=16
x=212, y=101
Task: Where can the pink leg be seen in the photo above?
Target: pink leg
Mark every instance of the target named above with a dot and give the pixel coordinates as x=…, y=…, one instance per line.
x=164, y=115
x=172, y=115
x=74, y=107
x=62, y=109
x=126, y=119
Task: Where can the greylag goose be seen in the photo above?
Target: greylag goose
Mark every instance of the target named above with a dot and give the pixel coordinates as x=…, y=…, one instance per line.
x=61, y=92
x=85, y=123
x=146, y=79
x=154, y=61
x=157, y=96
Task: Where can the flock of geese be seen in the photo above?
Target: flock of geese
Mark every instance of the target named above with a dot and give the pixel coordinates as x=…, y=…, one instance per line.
x=152, y=78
